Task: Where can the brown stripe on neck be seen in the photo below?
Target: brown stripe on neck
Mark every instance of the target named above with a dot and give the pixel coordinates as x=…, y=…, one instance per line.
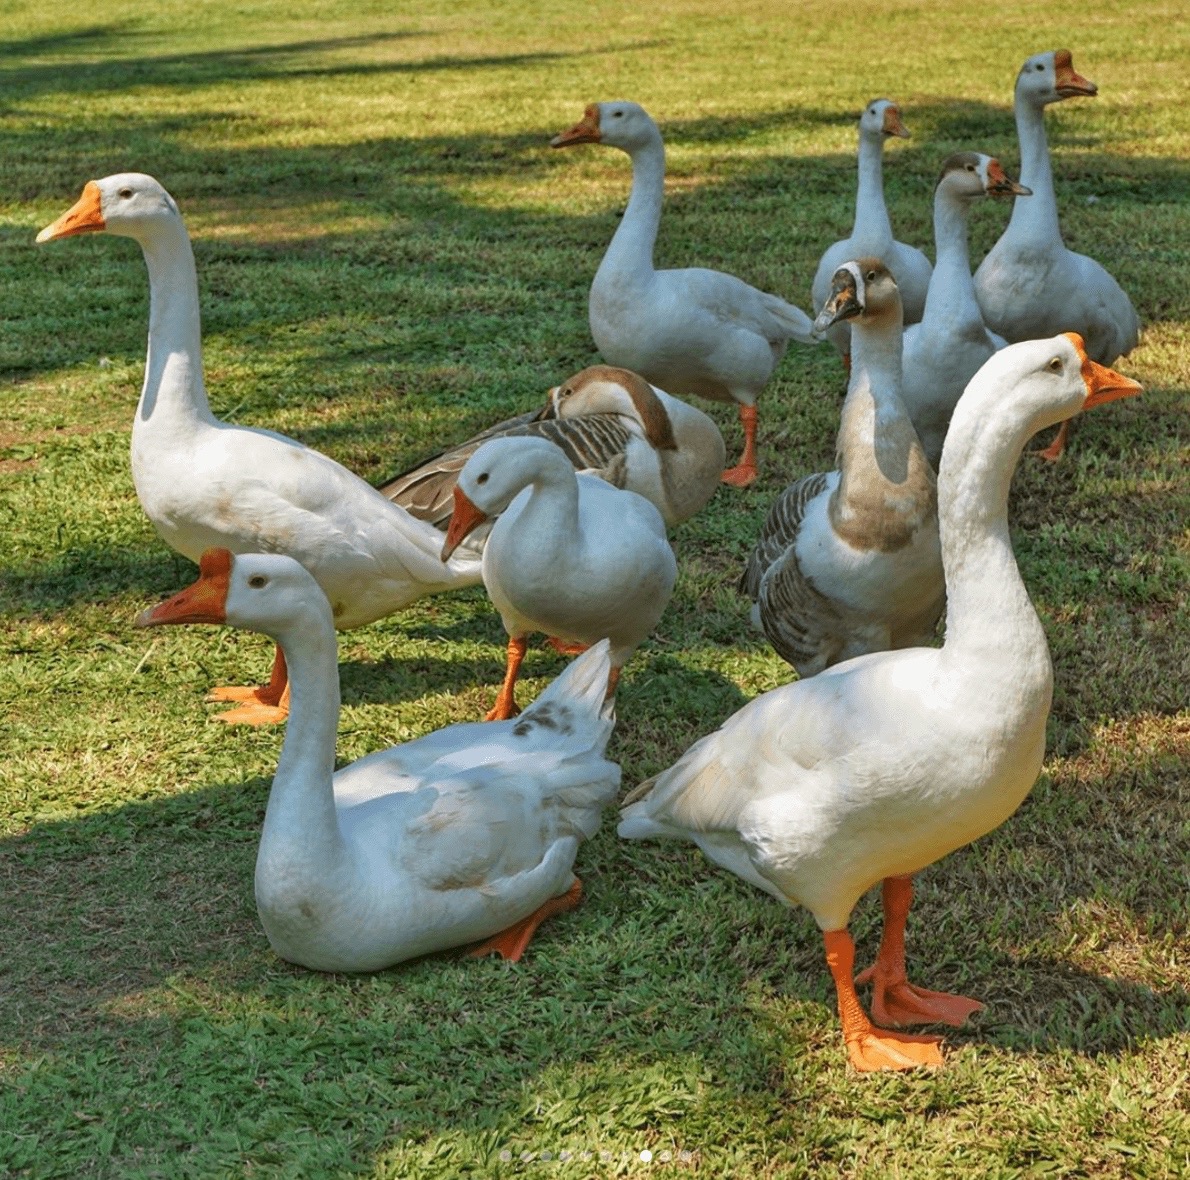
x=649, y=409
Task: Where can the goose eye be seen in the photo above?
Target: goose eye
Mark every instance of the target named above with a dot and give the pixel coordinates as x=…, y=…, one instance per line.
x=258, y=581
x=617, y=114
x=126, y=193
x=871, y=275
x=1039, y=66
x=482, y=478
x=1055, y=366
x=970, y=167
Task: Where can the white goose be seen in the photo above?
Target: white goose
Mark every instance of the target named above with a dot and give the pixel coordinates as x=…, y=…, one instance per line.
x=570, y=555
x=880, y=766
x=1030, y=284
x=611, y=423
x=848, y=562
x=871, y=234
x=691, y=331
x=465, y=834
x=945, y=350
x=204, y=483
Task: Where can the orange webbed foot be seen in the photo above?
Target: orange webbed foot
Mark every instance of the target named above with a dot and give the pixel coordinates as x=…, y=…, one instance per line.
x=566, y=649
x=254, y=712
x=512, y=943
x=878, y=1048
x=502, y=710
x=233, y=692
x=1057, y=448
x=741, y=476
x=902, y=1004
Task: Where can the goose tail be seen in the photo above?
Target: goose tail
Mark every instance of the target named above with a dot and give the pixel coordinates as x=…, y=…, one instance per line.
x=793, y=322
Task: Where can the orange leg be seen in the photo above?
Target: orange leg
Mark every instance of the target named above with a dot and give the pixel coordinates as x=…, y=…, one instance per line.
x=613, y=681
x=871, y=1048
x=506, y=706
x=511, y=943
x=566, y=649
x=1054, y=451
x=744, y=472
x=265, y=705
x=894, y=999
x=847, y=364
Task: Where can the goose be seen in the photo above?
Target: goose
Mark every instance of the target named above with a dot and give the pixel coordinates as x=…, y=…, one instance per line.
x=878, y=767
x=871, y=234
x=611, y=423
x=693, y=331
x=848, y=561
x=570, y=555
x=1030, y=284
x=468, y=833
x=948, y=347
x=204, y=483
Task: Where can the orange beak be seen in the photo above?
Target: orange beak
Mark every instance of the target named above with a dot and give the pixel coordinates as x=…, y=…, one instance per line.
x=1000, y=184
x=893, y=124
x=586, y=130
x=1067, y=83
x=463, y=519
x=1103, y=384
x=85, y=216
x=203, y=602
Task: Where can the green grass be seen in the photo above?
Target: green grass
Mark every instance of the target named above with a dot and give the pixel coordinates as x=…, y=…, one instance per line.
x=389, y=258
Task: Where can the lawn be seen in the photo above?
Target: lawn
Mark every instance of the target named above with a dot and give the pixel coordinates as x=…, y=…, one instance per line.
x=390, y=257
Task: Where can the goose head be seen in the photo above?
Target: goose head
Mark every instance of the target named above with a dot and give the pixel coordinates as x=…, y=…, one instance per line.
x=863, y=289
x=264, y=592
x=130, y=204
x=882, y=118
x=625, y=125
x=971, y=175
x=1050, y=77
x=493, y=477
x=606, y=389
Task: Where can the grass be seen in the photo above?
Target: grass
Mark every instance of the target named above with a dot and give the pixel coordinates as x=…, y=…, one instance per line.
x=390, y=257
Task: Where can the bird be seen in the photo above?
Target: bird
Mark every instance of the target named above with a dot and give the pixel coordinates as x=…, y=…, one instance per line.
x=946, y=349
x=871, y=234
x=207, y=483
x=848, y=561
x=1030, y=284
x=880, y=766
x=467, y=833
x=692, y=331
x=570, y=555
x=609, y=422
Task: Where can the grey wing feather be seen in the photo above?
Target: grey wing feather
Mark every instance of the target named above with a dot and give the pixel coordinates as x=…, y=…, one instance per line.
x=593, y=442
x=780, y=530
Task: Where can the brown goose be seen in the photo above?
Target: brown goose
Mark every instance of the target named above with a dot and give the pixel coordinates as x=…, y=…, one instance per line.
x=610, y=422
x=848, y=562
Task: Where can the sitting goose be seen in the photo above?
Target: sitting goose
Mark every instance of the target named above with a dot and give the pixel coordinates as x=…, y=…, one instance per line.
x=611, y=423
x=570, y=555
x=949, y=346
x=872, y=235
x=1030, y=284
x=690, y=331
x=881, y=766
x=848, y=562
x=204, y=483
x=467, y=833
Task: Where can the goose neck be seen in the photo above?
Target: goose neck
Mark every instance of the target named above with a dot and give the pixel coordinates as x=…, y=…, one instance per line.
x=989, y=614
x=1035, y=216
x=872, y=227
x=301, y=827
x=173, y=387
x=951, y=286
x=631, y=248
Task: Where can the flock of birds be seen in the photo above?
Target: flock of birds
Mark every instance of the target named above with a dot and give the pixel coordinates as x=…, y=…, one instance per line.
x=885, y=754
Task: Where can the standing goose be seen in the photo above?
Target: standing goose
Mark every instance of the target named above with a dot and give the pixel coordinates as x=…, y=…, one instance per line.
x=881, y=766
x=206, y=483
x=872, y=235
x=611, y=423
x=467, y=833
x=691, y=331
x=570, y=555
x=1030, y=284
x=948, y=347
x=848, y=562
